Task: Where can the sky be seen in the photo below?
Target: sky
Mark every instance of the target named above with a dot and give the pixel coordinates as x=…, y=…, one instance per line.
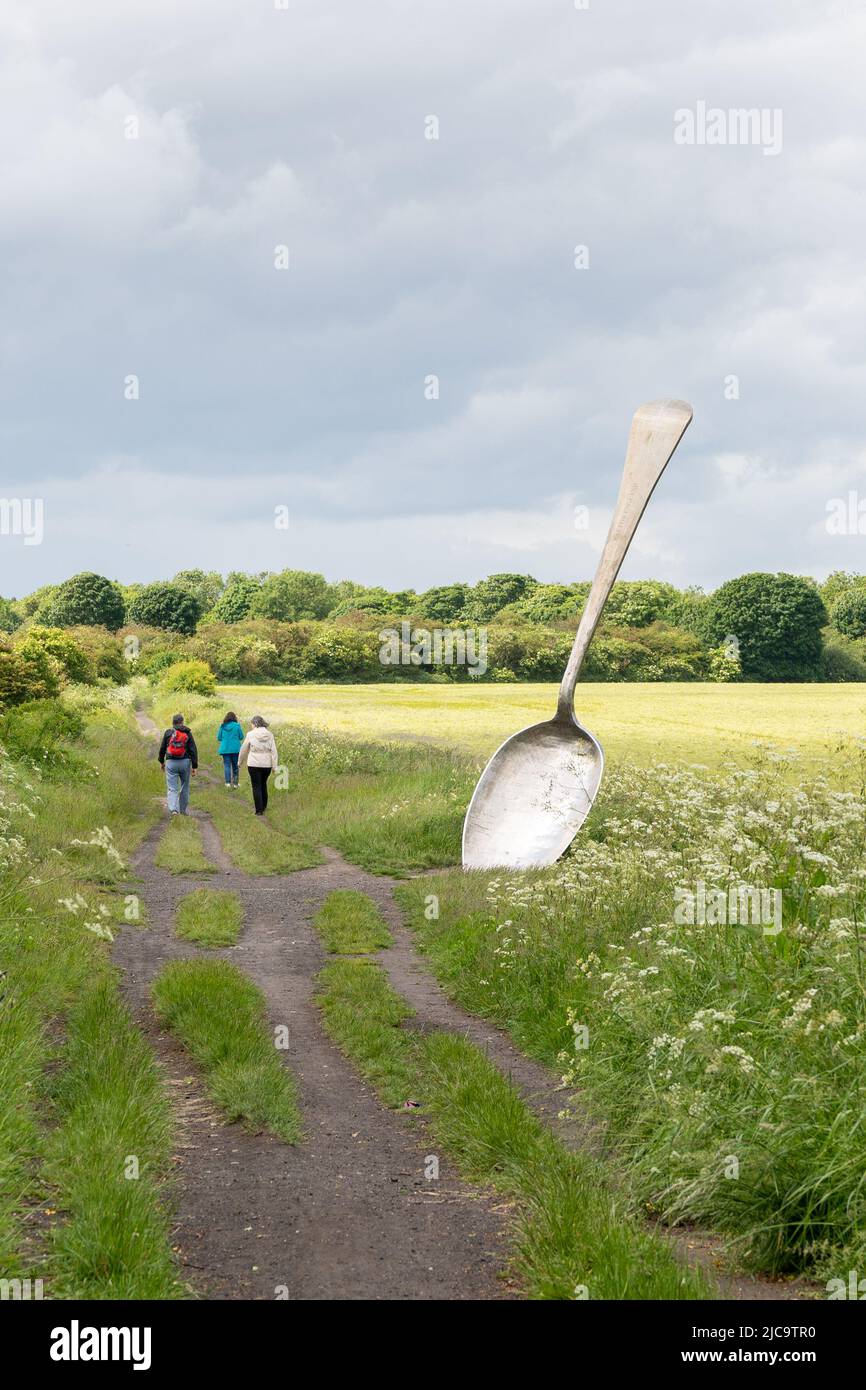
x=324, y=262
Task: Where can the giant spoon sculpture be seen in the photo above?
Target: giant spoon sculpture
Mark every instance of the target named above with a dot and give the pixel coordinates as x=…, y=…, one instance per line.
x=538, y=788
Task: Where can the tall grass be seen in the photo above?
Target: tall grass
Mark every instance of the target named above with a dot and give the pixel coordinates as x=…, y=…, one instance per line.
x=219, y=1016
x=727, y=1058
x=107, y=1159
x=63, y=850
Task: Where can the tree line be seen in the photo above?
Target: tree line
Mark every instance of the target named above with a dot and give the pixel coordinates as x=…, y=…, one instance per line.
x=294, y=625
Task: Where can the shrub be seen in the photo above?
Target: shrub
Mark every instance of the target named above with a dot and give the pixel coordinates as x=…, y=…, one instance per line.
x=723, y=666
x=616, y=658
x=844, y=658
x=87, y=598
x=149, y=650
x=19, y=679
x=849, y=613
x=60, y=644
x=341, y=653
x=28, y=674
x=777, y=620
x=38, y=731
x=194, y=676
x=239, y=656
x=256, y=649
x=104, y=652
x=167, y=606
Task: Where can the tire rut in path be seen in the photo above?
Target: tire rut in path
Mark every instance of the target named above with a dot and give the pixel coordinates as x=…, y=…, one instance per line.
x=345, y=1214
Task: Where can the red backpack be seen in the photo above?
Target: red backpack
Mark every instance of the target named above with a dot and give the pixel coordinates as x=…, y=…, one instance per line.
x=177, y=744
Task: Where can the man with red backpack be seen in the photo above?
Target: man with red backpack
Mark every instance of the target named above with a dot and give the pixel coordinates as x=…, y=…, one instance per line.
x=179, y=756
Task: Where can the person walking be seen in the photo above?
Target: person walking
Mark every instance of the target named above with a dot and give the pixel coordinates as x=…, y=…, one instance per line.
x=178, y=755
x=259, y=752
x=230, y=737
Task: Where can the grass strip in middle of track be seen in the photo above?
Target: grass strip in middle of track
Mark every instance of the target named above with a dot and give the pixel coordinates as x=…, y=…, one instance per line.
x=350, y=924
x=180, y=849
x=252, y=842
x=210, y=917
x=219, y=1016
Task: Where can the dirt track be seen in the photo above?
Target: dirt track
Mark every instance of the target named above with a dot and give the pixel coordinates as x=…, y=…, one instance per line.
x=347, y=1213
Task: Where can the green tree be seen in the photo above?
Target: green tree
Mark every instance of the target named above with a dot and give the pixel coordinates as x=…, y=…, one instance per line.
x=639, y=602
x=549, y=603
x=776, y=621
x=28, y=606
x=206, y=587
x=293, y=595
x=9, y=617
x=364, y=600
x=87, y=598
x=346, y=588
x=491, y=595
x=233, y=604
x=104, y=652
x=849, y=613
x=444, y=603
x=167, y=606
x=838, y=583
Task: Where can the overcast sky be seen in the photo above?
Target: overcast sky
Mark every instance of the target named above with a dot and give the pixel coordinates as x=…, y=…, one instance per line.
x=411, y=257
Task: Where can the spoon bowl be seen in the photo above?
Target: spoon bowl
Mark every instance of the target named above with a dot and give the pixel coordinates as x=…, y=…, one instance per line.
x=538, y=788
x=533, y=796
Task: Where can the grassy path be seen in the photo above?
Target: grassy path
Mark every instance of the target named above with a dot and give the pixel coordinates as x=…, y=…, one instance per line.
x=345, y=1214
x=256, y=1215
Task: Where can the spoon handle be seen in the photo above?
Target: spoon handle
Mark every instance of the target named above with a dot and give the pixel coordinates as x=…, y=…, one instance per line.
x=656, y=430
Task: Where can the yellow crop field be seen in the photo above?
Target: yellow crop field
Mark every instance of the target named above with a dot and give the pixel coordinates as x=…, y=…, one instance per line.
x=699, y=723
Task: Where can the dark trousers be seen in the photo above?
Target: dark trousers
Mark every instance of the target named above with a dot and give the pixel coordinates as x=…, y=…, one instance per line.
x=259, y=778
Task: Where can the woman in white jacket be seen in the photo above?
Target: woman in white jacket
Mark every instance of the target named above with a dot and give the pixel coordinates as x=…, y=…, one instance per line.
x=259, y=752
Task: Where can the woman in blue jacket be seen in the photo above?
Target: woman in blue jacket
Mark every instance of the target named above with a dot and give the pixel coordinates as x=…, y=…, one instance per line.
x=230, y=736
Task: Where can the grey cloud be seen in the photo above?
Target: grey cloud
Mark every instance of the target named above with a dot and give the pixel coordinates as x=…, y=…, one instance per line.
x=412, y=257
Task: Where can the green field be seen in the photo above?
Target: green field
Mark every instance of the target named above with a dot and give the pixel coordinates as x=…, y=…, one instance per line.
x=699, y=723
x=722, y=1056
